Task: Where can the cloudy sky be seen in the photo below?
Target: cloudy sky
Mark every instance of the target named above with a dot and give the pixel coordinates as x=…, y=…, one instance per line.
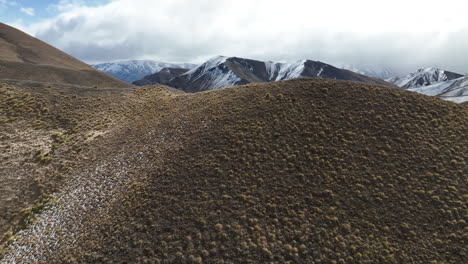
x=399, y=34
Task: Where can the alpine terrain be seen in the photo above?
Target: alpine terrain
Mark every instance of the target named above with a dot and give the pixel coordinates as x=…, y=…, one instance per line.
x=455, y=90
x=220, y=72
x=133, y=70
x=164, y=76
x=311, y=170
x=382, y=73
x=424, y=77
x=435, y=82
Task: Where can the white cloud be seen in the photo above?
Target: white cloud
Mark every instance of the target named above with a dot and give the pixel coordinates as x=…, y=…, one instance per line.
x=6, y=3
x=66, y=5
x=27, y=10
x=401, y=34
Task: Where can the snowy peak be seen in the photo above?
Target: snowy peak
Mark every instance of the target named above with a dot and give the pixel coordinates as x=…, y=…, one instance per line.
x=379, y=72
x=455, y=90
x=210, y=75
x=133, y=70
x=432, y=81
x=221, y=71
x=424, y=77
x=286, y=71
x=207, y=66
x=300, y=69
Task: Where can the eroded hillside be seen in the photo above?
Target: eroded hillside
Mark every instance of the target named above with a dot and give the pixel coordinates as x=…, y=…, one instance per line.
x=44, y=130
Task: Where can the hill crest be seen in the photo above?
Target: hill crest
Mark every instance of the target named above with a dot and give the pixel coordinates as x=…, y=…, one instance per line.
x=23, y=57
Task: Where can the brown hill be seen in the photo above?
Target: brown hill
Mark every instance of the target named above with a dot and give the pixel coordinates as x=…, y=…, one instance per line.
x=305, y=171
x=23, y=57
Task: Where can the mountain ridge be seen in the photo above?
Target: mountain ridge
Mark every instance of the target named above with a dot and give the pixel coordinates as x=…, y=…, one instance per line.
x=164, y=76
x=134, y=70
x=383, y=73
x=444, y=84
x=455, y=90
x=221, y=71
x=424, y=77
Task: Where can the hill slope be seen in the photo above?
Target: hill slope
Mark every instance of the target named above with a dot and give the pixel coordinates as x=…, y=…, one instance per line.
x=220, y=72
x=304, y=171
x=23, y=57
x=44, y=129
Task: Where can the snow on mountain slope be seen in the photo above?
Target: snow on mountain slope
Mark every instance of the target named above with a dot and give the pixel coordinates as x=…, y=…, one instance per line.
x=382, y=73
x=133, y=70
x=206, y=66
x=210, y=75
x=272, y=69
x=221, y=71
x=455, y=90
x=287, y=71
x=215, y=74
x=219, y=79
x=434, y=89
x=424, y=77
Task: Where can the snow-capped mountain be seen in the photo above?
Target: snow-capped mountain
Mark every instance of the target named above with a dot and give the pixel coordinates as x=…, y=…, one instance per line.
x=221, y=71
x=455, y=90
x=133, y=70
x=382, y=73
x=164, y=76
x=424, y=77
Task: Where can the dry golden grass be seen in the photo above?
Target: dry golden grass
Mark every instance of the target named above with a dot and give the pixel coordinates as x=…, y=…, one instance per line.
x=18, y=46
x=43, y=128
x=23, y=57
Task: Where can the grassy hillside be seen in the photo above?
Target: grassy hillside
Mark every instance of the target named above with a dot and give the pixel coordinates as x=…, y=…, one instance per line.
x=23, y=57
x=304, y=171
x=44, y=129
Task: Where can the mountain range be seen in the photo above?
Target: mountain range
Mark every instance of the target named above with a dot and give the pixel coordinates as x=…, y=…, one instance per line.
x=424, y=77
x=444, y=84
x=220, y=72
x=382, y=73
x=133, y=70
x=163, y=76
x=455, y=90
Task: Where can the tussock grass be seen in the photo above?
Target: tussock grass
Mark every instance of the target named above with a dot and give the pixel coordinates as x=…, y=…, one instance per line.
x=304, y=171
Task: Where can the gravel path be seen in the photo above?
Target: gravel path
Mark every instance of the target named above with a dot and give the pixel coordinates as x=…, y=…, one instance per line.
x=91, y=193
